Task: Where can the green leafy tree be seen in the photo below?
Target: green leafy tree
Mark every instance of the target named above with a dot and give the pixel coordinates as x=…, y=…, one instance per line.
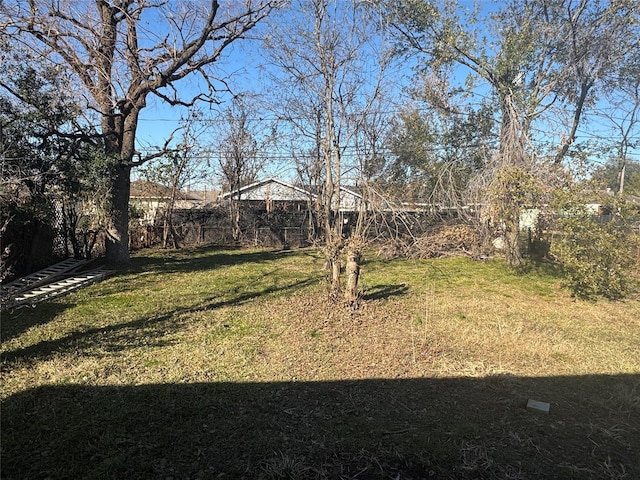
x=436, y=153
x=612, y=173
x=533, y=56
x=412, y=141
x=45, y=166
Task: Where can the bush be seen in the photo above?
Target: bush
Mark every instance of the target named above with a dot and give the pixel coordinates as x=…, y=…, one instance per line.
x=598, y=254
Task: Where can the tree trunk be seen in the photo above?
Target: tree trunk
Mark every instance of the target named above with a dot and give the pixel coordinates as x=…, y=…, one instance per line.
x=507, y=196
x=234, y=216
x=119, y=146
x=170, y=236
x=513, y=254
x=332, y=251
x=585, y=87
x=623, y=173
x=169, y=228
x=335, y=277
x=351, y=293
x=117, y=231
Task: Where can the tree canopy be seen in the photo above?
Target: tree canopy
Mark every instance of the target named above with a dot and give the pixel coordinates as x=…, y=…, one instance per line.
x=120, y=53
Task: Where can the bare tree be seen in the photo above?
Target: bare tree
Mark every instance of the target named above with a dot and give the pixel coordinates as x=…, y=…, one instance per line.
x=175, y=170
x=240, y=155
x=622, y=112
x=122, y=52
x=330, y=66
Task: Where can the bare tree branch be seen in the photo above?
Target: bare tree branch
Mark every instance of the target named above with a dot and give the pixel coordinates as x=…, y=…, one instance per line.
x=120, y=61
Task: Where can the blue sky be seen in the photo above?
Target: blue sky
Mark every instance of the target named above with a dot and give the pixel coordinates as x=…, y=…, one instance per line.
x=241, y=67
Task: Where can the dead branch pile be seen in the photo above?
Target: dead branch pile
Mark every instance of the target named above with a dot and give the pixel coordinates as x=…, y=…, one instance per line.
x=442, y=240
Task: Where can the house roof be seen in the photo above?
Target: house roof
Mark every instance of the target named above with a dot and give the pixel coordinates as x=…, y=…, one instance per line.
x=280, y=191
x=298, y=193
x=146, y=190
x=207, y=196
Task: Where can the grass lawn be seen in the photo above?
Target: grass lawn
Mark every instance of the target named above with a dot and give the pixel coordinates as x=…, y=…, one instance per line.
x=211, y=364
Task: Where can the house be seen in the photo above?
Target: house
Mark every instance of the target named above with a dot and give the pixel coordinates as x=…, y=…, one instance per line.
x=149, y=197
x=603, y=205
x=349, y=200
x=273, y=193
x=600, y=207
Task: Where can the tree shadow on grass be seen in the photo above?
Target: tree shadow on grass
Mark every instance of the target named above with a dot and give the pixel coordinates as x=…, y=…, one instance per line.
x=380, y=292
x=143, y=268
x=373, y=429
x=192, y=260
x=189, y=260
x=540, y=267
x=152, y=332
x=15, y=322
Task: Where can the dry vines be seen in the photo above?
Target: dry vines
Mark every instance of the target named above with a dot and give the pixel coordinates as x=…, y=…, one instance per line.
x=442, y=240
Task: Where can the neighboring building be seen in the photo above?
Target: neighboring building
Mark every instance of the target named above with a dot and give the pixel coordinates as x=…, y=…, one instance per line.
x=529, y=219
x=208, y=198
x=277, y=194
x=603, y=207
x=272, y=194
x=600, y=207
x=150, y=197
x=349, y=200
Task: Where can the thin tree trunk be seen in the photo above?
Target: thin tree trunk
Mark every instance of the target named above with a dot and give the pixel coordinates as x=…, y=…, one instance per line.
x=351, y=293
x=623, y=173
x=170, y=231
x=235, y=218
x=512, y=236
x=332, y=251
x=336, y=288
x=585, y=87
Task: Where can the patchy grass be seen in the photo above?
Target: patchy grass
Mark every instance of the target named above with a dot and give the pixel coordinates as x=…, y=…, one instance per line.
x=233, y=364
